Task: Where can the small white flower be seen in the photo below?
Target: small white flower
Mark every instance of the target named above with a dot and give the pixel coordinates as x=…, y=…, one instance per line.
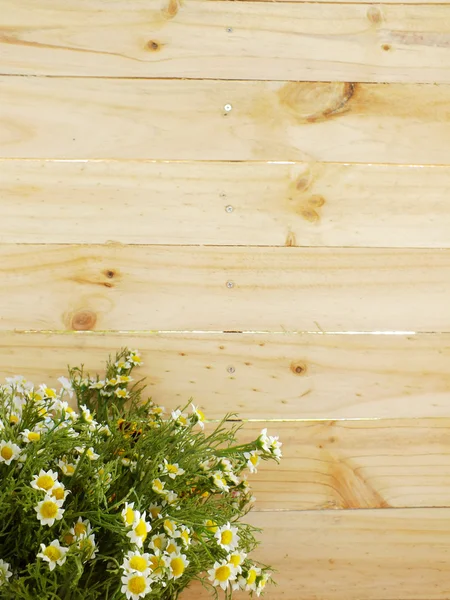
x=49, y=510
x=30, y=436
x=172, y=470
x=227, y=537
x=248, y=583
x=158, y=542
x=121, y=393
x=222, y=574
x=199, y=415
x=96, y=385
x=54, y=554
x=135, y=585
x=158, y=486
x=135, y=561
x=253, y=460
x=5, y=573
x=8, y=452
x=134, y=358
x=66, y=385
x=237, y=558
x=270, y=444
x=139, y=530
x=220, y=481
x=66, y=467
x=59, y=492
x=87, y=546
x=122, y=364
x=86, y=414
x=45, y=480
x=81, y=528
x=129, y=514
x=177, y=565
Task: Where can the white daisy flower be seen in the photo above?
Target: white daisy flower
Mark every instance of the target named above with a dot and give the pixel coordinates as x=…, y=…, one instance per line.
x=171, y=497
x=158, y=486
x=270, y=444
x=199, y=416
x=135, y=561
x=129, y=514
x=124, y=378
x=9, y=452
x=81, y=528
x=66, y=385
x=59, y=492
x=30, y=436
x=185, y=535
x=181, y=419
x=139, y=530
x=121, y=393
x=154, y=510
x=49, y=510
x=87, y=546
x=135, y=358
x=122, y=365
x=54, y=554
x=135, y=585
x=5, y=573
x=104, y=430
x=220, y=481
x=222, y=574
x=44, y=481
x=158, y=565
x=170, y=527
x=158, y=542
x=253, y=460
x=96, y=385
x=172, y=548
x=172, y=470
x=177, y=565
x=248, y=583
x=262, y=581
x=66, y=467
x=227, y=537
x=236, y=558
x=47, y=392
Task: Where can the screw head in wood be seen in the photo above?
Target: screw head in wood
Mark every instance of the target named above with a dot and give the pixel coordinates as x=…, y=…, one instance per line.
x=229, y=30
x=231, y=369
x=230, y=284
x=227, y=107
x=229, y=208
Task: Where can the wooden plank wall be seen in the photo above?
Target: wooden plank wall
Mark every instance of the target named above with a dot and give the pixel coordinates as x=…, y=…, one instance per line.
x=255, y=194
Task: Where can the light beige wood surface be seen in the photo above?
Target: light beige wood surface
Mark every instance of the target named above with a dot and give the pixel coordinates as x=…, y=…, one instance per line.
x=354, y=464
x=228, y=40
x=230, y=203
x=113, y=287
x=354, y=554
x=276, y=121
x=261, y=376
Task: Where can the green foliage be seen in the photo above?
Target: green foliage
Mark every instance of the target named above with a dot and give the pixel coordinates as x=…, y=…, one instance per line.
x=116, y=500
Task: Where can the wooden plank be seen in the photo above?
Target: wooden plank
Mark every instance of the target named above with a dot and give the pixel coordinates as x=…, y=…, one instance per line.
x=228, y=40
x=107, y=118
x=51, y=287
x=231, y=203
x=260, y=376
x=354, y=555
x=354, y=464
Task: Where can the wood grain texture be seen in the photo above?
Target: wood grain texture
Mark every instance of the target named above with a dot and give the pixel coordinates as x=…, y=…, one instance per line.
x=275, y=376
x=169, y=119
x=113, y=287
x=228, y=40
x=354, y=464
x=354, y=555
x=230, y=203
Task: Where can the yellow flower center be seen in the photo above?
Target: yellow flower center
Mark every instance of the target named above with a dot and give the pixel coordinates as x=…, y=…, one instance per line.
x=45, y=482
x=158, y=543
x=157, y=485
x=172, y=469
x=223, y=573
x=141, y=529
x=13, y=419
x=171, y=548
x=135, y=358
x=52, y=553
x=79, y=529
x=49, y=510
x=68, y=538
x=177, y=566
x=138, y=563
x=235, y=560
x=226, y=537
x=211, y=526
x=129, y=516
x=33, y=436
x=58, y=493
x=155, y=511
x=254, y=459
x=70, y=469
x=6, y=452
x=137, y=584
x=185, y=537
x=251, y=578
x=169, y=526
x=157, y=563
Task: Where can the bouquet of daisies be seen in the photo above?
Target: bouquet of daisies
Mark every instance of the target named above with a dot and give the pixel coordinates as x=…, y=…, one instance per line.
x=115, y=499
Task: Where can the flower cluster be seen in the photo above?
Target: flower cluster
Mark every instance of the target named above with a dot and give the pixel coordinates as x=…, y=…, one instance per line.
x=118, y=499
